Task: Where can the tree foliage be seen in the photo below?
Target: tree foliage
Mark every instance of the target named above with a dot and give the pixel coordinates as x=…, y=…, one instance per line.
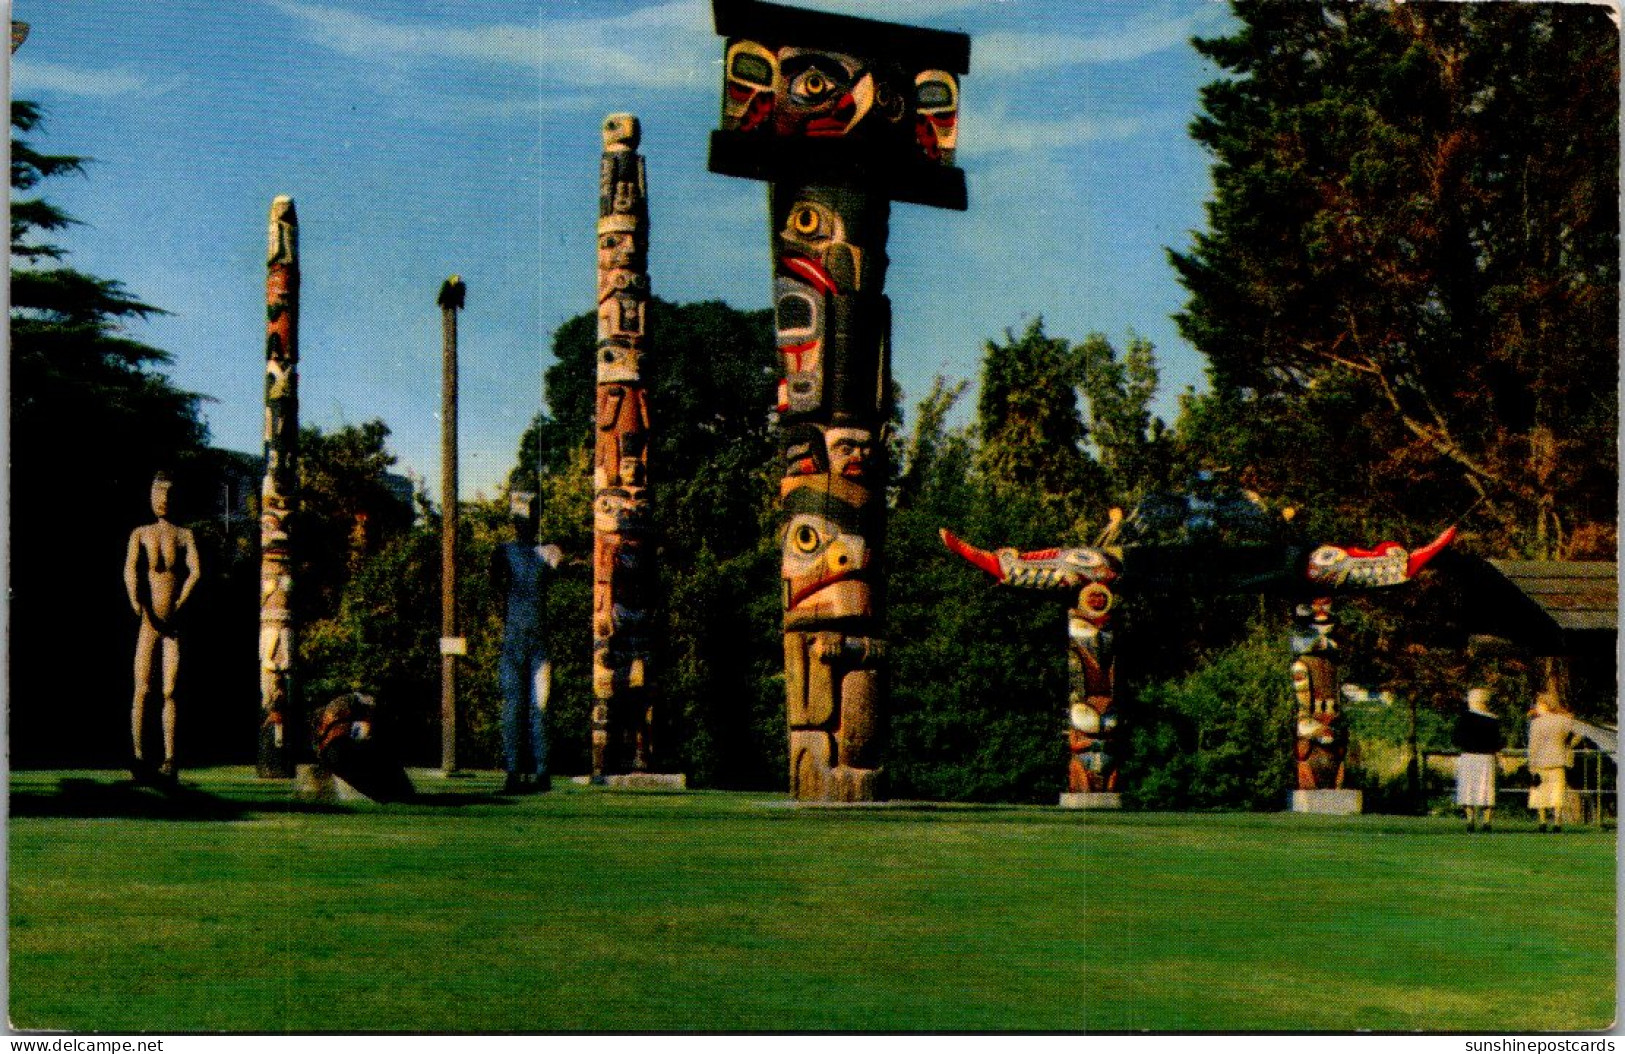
x=1408, y=285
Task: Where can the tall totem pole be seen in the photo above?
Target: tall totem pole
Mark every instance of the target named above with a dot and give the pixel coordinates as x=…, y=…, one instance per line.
x=622, y=712
x=841, y=116
x=279, y=492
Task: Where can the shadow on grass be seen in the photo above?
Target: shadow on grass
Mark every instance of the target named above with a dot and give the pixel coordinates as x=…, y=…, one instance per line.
x=125, y=799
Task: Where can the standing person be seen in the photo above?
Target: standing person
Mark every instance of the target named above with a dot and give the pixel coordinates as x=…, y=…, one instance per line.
x=1552, y=733
x=519, y=570
x=153, y=581
x=1478, y=737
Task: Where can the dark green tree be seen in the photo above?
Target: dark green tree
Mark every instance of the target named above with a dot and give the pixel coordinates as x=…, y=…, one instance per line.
x=348, y=509
x=1031, y=431
x=1408, y=284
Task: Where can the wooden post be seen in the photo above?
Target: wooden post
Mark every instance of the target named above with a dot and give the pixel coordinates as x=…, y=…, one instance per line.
x=452, y=292
x=279, y=495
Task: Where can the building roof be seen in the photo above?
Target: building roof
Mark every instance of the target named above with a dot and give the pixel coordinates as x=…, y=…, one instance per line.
x=1577, y=596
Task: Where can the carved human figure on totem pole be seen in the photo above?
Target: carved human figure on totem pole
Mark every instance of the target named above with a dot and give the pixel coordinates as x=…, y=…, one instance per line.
x=279, y=491
x=1322, y=732
x=841, y=116
x=623, y=703
x=1295, y=570
x=161, y=568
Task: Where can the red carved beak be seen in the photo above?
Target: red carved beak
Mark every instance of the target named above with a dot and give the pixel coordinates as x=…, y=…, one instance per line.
x=1428, y=552
x=980, y=557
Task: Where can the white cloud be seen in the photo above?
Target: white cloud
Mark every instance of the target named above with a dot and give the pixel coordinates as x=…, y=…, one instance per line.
x=993, y=130
x=1009, y=53
x=29, y=76
x=655, y=46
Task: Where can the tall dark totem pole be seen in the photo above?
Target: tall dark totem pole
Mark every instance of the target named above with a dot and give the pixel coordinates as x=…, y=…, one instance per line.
x=279, y=491
x=622, y=711
x=841, y=116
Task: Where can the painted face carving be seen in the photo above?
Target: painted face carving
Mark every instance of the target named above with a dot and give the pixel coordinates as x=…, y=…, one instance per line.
x=819, y=554
x=936, y=114
x=617, y=244
x=813, y=246
x=619, y=510
x=849, y=450
x=820, y=93
x=749, y=86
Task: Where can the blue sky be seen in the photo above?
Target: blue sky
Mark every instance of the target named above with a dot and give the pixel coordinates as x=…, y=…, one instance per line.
x=422, y=139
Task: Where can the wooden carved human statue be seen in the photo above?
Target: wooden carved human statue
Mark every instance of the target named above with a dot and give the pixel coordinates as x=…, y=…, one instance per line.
x=842, y=116
x=161, y=568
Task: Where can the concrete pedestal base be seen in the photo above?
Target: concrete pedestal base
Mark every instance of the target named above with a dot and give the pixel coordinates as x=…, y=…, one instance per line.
x=1328, y=802
x=1091, y=800
x=314, y=783
x=637, y=781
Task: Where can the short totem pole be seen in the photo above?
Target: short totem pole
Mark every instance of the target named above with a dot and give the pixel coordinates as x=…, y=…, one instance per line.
x=279, y=492
x=622, y=712
x=1192, y=557
x=841, y=116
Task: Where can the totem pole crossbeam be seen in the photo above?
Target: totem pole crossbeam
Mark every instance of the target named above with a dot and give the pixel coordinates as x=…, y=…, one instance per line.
x=841, y=116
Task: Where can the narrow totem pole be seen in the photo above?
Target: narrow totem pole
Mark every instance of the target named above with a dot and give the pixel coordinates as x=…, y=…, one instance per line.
x=841, y=116
x=452, y=294
x=279, y=493
x=622, y=712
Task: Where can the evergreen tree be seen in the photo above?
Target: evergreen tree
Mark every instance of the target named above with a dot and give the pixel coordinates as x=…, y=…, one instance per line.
x=1408, y=284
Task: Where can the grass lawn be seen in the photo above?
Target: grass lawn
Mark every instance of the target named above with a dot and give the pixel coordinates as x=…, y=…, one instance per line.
x=234, y=908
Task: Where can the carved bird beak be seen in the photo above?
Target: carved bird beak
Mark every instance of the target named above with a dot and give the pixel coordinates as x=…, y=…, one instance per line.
x=1421, y=556
x=980, y=557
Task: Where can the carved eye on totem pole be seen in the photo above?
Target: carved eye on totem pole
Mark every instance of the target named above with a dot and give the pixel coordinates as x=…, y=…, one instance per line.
x=936, y=114
x=621, y=130
x=617, y=245
x=751, y=82
x=821, y=94
x=819, y=553
x=619, y=510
